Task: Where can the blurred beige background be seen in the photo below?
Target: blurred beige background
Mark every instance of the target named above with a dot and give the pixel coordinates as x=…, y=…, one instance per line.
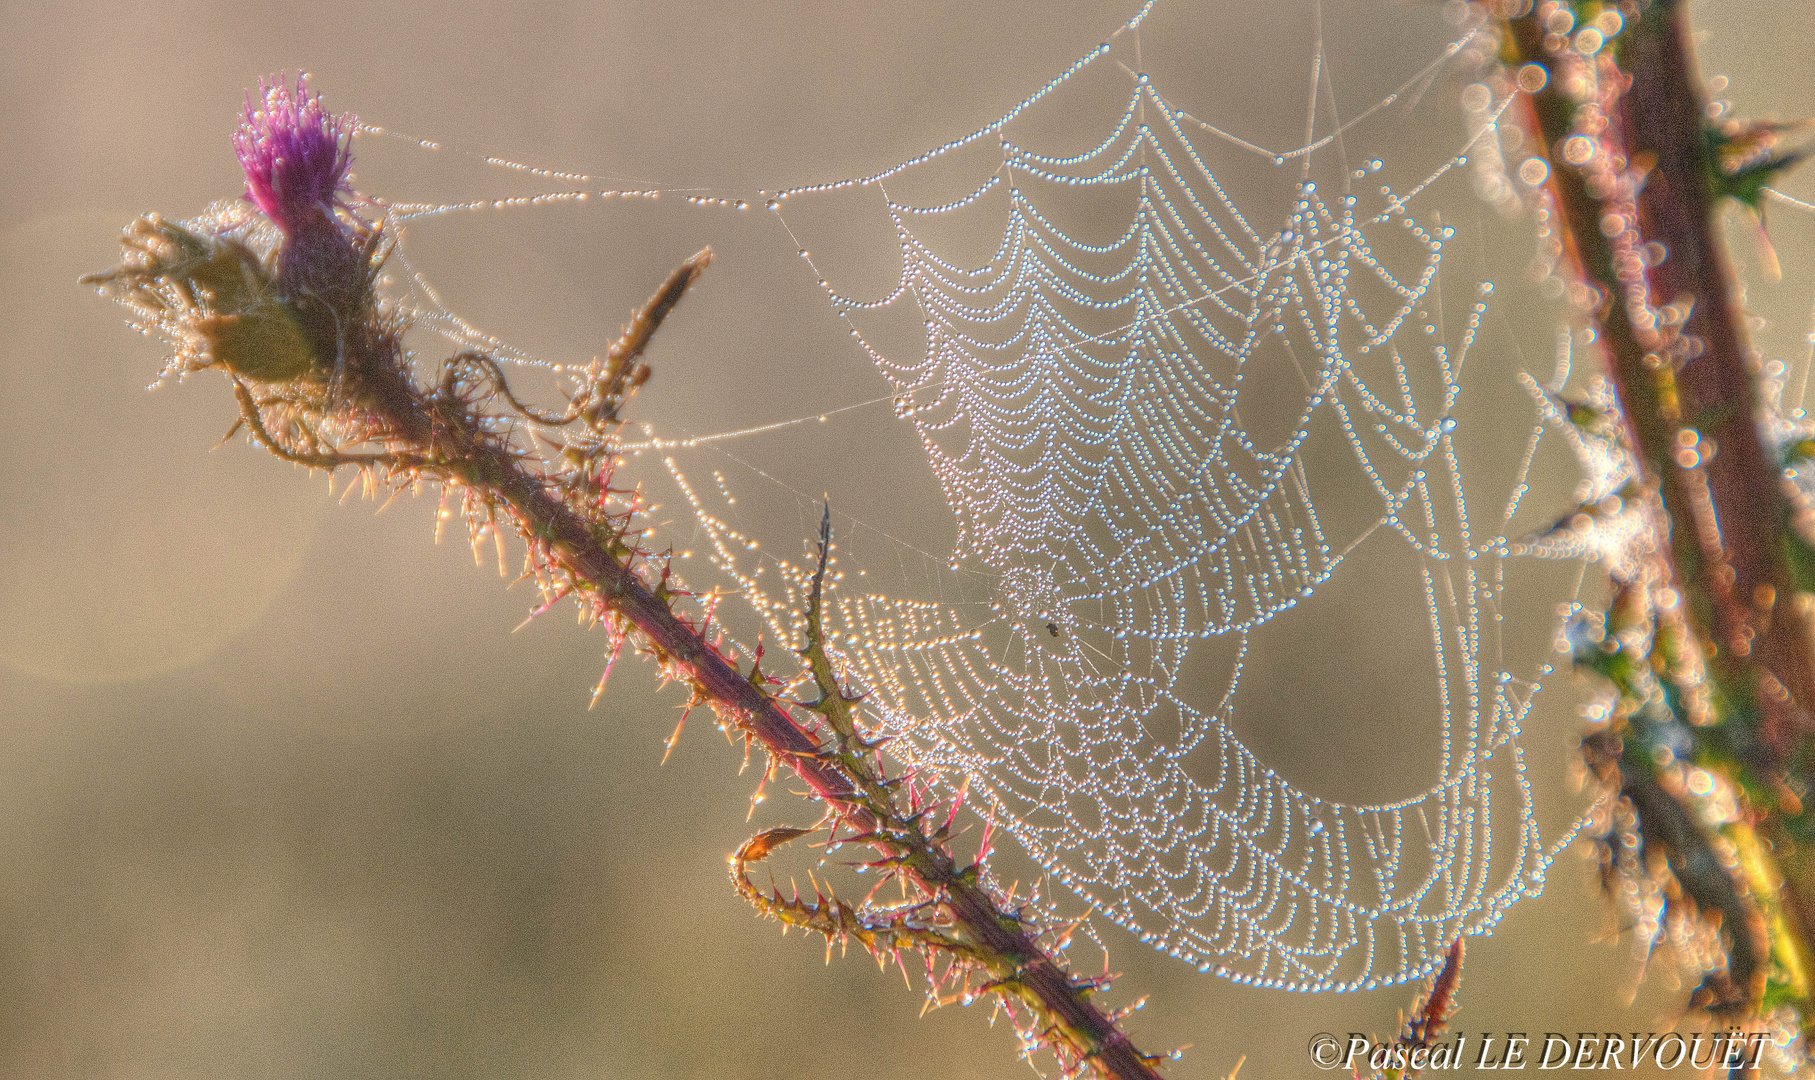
x=280, y=794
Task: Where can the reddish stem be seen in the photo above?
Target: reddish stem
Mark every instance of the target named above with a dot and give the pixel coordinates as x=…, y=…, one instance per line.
x=570, y=542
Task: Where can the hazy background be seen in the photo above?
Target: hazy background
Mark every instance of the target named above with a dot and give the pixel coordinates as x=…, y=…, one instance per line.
x=280, y=794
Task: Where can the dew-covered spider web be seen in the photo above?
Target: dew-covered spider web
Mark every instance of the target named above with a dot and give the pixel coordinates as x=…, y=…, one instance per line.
x=1170, y=385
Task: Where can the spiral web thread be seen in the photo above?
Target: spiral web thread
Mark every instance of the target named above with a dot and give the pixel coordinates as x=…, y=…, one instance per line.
x=1089, y=408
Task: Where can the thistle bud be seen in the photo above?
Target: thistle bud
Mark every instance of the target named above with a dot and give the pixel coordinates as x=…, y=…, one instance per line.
x=279, y=305
x=295, y=155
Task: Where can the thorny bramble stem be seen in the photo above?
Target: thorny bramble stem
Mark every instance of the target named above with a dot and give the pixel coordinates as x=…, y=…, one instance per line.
x=1430, y=1016
x=293, y=316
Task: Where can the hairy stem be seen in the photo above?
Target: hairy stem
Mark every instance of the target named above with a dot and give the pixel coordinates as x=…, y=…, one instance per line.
x=436, y=434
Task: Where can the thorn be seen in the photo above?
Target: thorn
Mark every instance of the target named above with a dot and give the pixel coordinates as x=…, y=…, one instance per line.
x=238, y=423
x=957, y=802
x=668, y=747
x=617, y=646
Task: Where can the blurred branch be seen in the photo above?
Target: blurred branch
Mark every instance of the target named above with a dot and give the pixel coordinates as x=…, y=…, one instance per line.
x=1637, y=174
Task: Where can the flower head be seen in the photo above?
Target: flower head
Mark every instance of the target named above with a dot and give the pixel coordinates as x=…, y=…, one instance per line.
x=295, y=154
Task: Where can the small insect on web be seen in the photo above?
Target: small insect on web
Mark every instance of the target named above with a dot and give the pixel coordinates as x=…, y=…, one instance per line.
x=1162, y=421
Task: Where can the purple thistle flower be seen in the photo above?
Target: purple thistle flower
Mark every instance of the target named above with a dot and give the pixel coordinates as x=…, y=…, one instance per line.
x=295, y=154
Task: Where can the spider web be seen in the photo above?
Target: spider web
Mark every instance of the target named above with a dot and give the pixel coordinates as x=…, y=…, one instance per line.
x=1120, y=406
